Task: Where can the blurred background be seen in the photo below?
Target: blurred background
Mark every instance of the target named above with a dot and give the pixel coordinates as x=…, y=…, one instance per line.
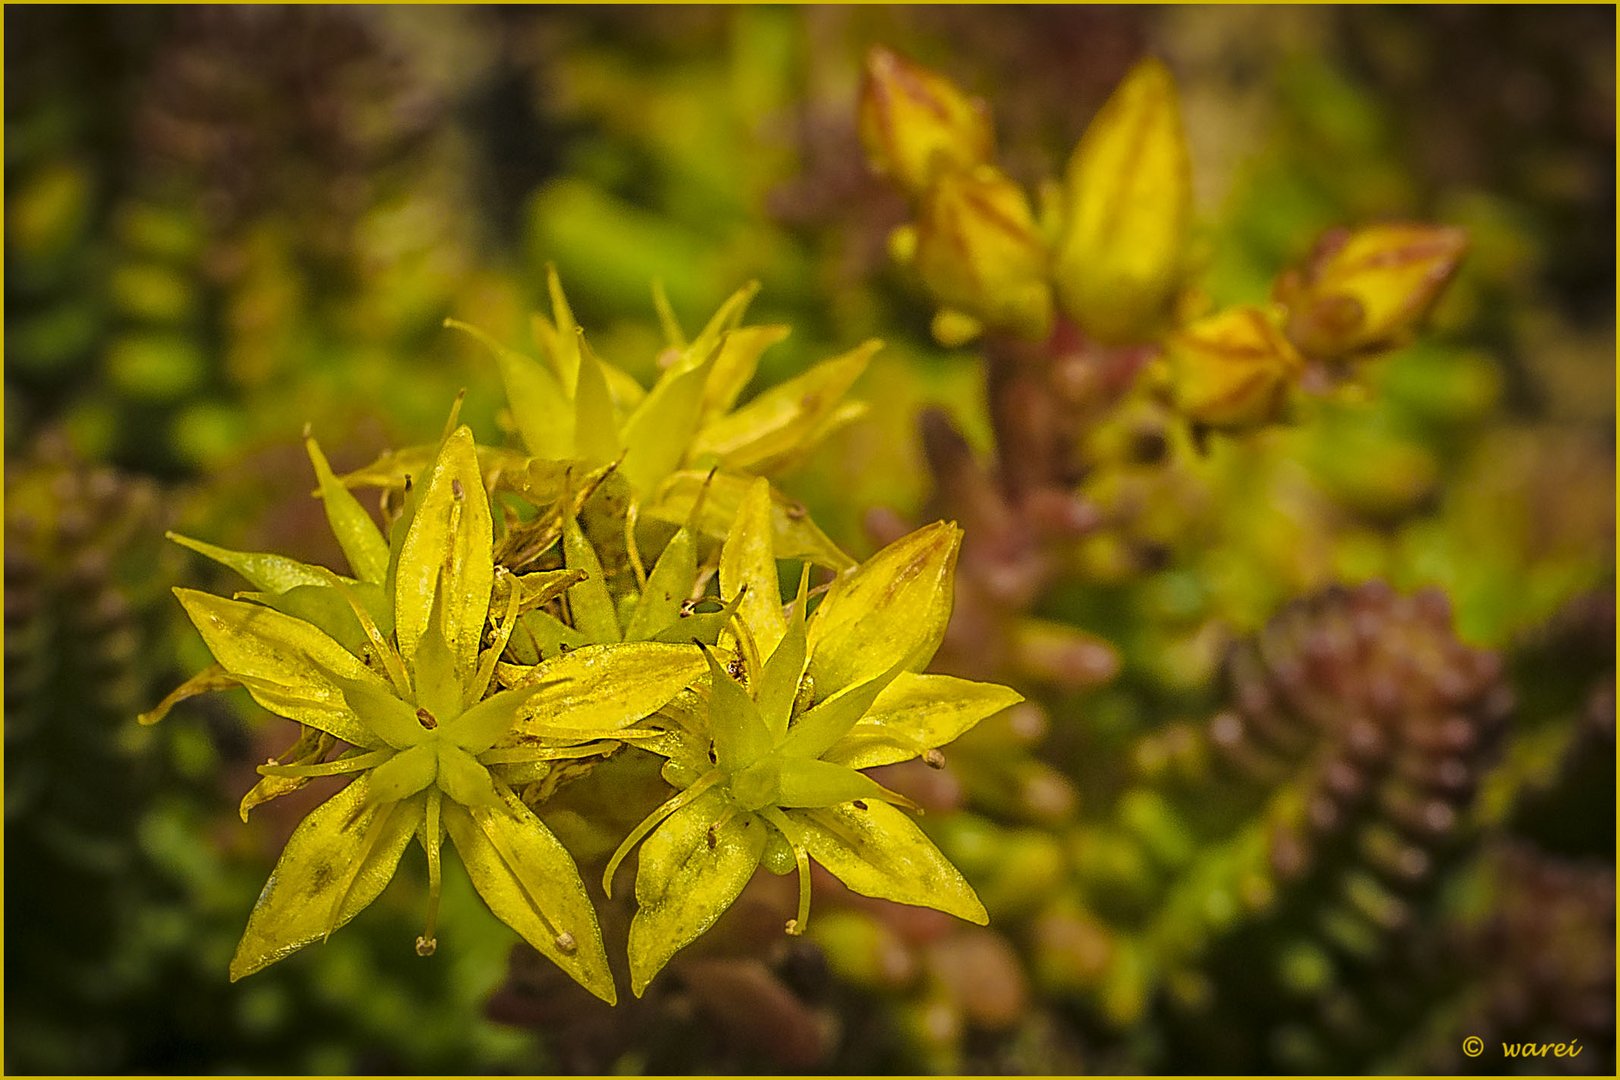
x=1215, y=839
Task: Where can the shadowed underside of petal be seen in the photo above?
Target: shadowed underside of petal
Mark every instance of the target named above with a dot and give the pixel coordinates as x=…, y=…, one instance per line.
x=340, y=850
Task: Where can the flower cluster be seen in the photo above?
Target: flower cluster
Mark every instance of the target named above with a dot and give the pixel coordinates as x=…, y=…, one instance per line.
x=1106, y=253
x=505, y=624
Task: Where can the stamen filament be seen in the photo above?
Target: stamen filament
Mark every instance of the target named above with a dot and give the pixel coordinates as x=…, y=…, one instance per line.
x=336, y=767
x=651, y=821
x=486, y=665
x=431, y=841
x=392, y=663
x=518, y=755
x=631, y=514
x=801, y=856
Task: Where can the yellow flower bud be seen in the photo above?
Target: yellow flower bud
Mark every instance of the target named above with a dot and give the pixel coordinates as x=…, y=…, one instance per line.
x=978, y=251
x=1128, y=201
x=1366, y=290
x=916, y=125
x=1233, y=369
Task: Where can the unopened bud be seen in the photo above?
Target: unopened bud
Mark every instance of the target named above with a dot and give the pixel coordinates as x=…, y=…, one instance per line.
x=1127, y=203
x=979, y=252
x=916, y=124
x=1366, y=290
x=1233, y=369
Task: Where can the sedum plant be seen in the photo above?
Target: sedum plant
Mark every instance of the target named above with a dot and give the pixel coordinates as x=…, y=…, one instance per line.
x=484, y=652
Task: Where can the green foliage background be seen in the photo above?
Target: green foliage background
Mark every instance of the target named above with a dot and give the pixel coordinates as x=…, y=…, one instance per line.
x=224, y=223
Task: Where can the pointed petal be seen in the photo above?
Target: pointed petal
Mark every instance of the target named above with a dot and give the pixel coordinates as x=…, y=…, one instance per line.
x=289, y=666
x=605, y=687
x=669, y=585
x=811, y=783
x=589, y=603
x=780, y=421
x=793, y=534
x=271, y=573
x=683, y=884
x=325, y=607
x=464, y=780
x=735, y=364
x=565, y=349
x=451, y=542
x=748, y=568
x=362, y=542
x=340, y=847
x=487, y=722
x=540, y=409
x=402, y=775
x=596, y=428
x=532, y=885
x=659, y=433
x=779, y=682
x=740, y=735
x=916, y=713
x=831, y=719
x=879, y=852
x=892, y=609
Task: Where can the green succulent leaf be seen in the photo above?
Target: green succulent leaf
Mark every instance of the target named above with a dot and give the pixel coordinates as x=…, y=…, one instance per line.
x=690, y=871
x=335, y=864
x=531, y=883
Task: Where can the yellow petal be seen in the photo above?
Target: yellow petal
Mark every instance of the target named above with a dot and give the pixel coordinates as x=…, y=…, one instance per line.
x=691, y=869
x=917, y=713
x=450, y=542
x=879, y=852
x=892, y=609
x=748, y=568
x=1128, y=204
x=532, y=885
x=603, y=687
x=342, y=849
x=781, y=422
x=289, y=667
x=793, y=534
